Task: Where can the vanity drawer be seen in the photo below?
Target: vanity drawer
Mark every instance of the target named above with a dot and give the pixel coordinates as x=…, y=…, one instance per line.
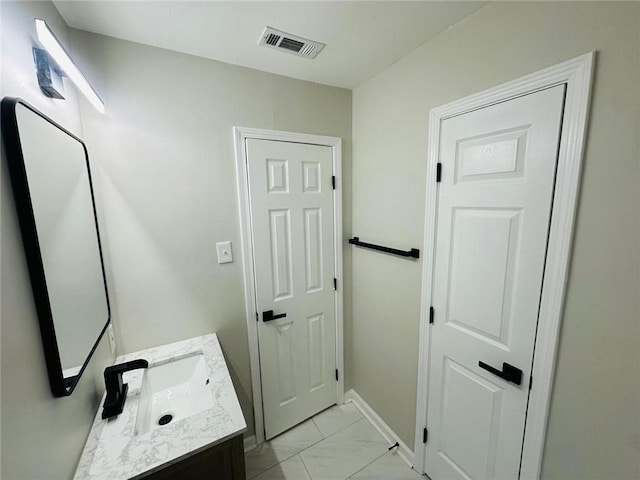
x=220, y=462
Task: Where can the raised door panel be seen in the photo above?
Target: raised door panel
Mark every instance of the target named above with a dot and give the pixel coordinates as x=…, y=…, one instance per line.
x=286, y=355
x=311, y=176
x=491, y=156
x=313, y=249
x=315, y=349
x=278, y=176
x=482, y=269
x=468, y=430
x=281, y=261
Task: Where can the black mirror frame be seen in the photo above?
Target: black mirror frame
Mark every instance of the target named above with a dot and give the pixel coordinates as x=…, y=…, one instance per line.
x=60, y=387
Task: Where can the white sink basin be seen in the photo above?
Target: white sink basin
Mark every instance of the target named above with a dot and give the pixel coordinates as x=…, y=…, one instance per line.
x=172, y=391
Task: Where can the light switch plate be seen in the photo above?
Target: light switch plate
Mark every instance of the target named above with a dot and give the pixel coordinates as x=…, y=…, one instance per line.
x=224, y=252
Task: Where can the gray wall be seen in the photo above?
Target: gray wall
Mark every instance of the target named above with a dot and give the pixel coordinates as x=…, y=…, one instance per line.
x=41, y=436
x=166, y=177
x=594, y=425
x=164, y=173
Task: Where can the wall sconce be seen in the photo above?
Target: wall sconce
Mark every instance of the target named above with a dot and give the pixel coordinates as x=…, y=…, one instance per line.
x=58, y=53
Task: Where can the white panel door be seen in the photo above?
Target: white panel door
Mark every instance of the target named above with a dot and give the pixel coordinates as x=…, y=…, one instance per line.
x=494, y=209
x=291, y=201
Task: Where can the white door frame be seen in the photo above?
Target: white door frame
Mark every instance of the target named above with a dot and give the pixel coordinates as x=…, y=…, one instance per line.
x=576, y=74
x=241, y=134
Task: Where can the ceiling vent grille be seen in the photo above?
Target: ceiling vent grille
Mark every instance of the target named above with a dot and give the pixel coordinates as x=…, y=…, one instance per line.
x=290, y=43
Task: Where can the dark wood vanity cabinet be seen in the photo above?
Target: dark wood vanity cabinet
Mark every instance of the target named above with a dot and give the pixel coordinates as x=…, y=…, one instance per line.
x=224, y=461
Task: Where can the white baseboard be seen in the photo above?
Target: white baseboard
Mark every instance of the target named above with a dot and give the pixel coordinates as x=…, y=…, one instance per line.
x=249, y=443
x=389, y=435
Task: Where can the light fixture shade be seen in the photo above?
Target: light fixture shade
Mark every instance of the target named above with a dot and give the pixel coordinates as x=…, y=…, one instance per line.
x=58, y=53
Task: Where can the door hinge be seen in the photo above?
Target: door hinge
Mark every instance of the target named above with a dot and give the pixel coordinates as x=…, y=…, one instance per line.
x=337, y=376
x=425, y=435
x=530, y=382
x=431, y=315
x=335, y=284
x=257, y=317
x=333, y=182
x=438, y=172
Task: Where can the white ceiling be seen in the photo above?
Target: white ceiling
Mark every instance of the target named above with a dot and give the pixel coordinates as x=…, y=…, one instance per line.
x=362, y=37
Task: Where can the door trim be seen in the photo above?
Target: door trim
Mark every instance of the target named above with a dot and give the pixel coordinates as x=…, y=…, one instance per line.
x=576, y=74
x=241, y=134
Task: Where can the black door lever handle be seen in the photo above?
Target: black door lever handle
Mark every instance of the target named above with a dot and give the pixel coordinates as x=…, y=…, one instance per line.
x=268, y=316
x=508, y=373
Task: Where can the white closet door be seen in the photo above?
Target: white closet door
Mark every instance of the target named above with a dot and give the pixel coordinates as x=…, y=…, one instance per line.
x=494, y=209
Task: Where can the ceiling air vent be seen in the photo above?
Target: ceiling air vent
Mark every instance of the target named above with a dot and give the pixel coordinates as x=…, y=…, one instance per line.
x=290, y=43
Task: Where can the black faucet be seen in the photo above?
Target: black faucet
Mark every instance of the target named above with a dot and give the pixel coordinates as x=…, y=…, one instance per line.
x=116, y=390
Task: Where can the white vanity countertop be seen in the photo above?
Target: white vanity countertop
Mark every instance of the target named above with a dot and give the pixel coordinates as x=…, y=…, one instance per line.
x=113, y=450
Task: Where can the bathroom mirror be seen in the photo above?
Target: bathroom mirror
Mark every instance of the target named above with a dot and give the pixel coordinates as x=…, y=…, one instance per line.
x=51, y=180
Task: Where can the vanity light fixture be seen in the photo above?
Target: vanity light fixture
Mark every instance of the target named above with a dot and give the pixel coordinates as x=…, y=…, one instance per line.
x=58, y=53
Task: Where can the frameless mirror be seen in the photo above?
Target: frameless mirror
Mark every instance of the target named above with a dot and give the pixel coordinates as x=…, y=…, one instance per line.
x=51, y=180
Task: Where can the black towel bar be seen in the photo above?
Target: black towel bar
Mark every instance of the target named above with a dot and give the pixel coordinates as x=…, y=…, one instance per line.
x=414, y=252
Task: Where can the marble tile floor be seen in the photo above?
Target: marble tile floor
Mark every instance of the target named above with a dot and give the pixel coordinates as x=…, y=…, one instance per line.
x=337, y=444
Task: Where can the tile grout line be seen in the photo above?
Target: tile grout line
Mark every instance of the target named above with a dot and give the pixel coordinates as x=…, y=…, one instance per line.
x=325, y=438
x=297, y=453
x=270, y=468
x=362, y=417
x=328, y=436
x=372, y=461
x=305, y=467
x=321, y=434
x=340, y=429
x=375, y=459
x=300, y=451
x=354, y=473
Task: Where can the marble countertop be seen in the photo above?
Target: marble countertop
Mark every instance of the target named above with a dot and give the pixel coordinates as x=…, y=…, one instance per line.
x=114, y=451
